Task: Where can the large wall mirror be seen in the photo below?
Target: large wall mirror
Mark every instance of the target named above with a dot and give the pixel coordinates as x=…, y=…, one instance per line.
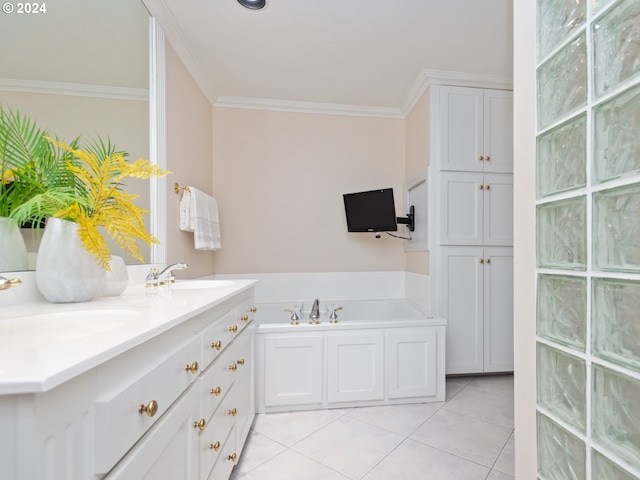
x=82, y=68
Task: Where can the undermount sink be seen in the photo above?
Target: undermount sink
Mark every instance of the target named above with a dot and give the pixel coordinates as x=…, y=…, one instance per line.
x=55, y=327
x=197, y=284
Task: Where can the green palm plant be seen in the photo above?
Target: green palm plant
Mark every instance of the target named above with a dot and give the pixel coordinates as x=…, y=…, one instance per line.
x=35, y=181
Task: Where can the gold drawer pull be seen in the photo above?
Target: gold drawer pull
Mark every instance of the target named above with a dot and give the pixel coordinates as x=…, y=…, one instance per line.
x=233, y=329
x=150, y=409
x=200, y=425
x=482, y=260
x=241, y=361
x=215, y=446
x=232, y=457
x=233, y=412
x=193, y=368
x=488, y=187
x=216, y=391
x=244, y=318
x=488, y=158
x=233, y=367
x=481, y=157
x=217, y=345
x=481, y=187
x=253, y=310
x=488, y=260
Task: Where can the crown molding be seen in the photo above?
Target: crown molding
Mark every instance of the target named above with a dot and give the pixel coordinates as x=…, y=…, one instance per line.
x=307, y=107
x=74, y=89
x=442, y=77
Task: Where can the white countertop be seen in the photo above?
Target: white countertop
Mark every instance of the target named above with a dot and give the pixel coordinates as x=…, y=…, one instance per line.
x=43, y=345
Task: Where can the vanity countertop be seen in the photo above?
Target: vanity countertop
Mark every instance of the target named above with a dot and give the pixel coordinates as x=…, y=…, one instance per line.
x=43, y=345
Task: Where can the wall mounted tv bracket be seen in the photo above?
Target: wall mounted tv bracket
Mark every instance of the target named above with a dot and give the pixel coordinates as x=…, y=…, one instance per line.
x=409, y=219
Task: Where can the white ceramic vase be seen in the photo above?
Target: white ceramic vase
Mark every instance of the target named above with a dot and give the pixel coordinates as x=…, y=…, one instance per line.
x=65, y=271
x=13, y=252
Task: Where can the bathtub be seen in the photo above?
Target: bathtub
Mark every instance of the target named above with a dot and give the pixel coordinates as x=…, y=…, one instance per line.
x=378, y=352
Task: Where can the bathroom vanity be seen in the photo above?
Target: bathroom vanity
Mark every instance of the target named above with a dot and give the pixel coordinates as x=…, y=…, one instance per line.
x=157, y=383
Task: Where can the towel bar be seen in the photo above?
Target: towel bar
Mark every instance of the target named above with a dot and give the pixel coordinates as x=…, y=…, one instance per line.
x=177, y=188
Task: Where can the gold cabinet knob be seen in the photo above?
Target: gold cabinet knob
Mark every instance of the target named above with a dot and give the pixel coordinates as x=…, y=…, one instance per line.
x=233, y=328
x=200, y=425
x=487, y=158
x=488, y=260
x=233, y=367
x=481, y=158
x=253, y=309
x=193, y=368
x=481, y=187
x=233, y=412
x=150, y=409
x=217, y=345
x=240, y=362
x=482, y=260
x=232, y=457
x=216, y=391
x=488, y=187
x=244, y=318
x=215, y=446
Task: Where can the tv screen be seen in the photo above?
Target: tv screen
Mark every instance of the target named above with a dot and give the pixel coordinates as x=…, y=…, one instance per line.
x=372, y=211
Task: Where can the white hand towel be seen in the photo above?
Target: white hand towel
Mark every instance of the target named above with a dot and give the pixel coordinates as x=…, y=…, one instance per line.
x=199, y=214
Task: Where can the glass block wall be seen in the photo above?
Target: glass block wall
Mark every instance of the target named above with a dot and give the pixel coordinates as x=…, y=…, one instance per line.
x=588, y=239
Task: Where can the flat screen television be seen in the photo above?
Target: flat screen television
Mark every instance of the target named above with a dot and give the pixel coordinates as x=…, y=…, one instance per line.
x=371, y=211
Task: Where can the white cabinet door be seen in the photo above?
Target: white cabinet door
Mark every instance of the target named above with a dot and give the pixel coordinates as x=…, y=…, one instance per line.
x=355, y=367
x=497, y=209
x=462, y=294
x=411, y=363
x=498, y=309
x=462, y=208
x=461, y=118
x=293, y=370
x=167, y=451
x=498, y=131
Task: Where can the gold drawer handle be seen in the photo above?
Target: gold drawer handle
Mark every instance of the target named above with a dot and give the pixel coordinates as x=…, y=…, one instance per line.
x=233, y=412
x=481, y=157
x=240, y=362
x=150, y=409
x=200, y=425
x=481, y=187
x=193, y=368
x=253, y=310
x=217, y=345
x=482, y=260
x=488, y=260
x=232, y=457
x=488, y=187
x=233, y=329
x=487, y=158
x=244, y=318
x=215, y=446
x=216, y=391
x=233, y=367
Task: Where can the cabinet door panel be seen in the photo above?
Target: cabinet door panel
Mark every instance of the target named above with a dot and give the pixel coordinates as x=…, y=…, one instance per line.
x=498, y=310
x=462, y=293
x=461, y=217
x=293, y=370
x=498, y=210
x=498, y=131
x=411, y=363
x=461, y=128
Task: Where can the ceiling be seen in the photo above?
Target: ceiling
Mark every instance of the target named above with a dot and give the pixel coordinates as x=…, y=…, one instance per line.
x=358, y=54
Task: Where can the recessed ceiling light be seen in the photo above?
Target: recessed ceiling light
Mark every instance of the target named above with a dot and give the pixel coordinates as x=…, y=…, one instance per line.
x=253, y=4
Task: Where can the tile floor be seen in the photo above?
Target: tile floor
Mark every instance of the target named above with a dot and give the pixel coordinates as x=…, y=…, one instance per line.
x=468, y=437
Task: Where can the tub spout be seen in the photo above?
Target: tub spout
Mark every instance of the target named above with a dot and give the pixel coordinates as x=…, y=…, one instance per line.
x=314, y=316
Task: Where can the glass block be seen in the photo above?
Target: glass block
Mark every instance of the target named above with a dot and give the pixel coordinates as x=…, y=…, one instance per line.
x=562, y=234
x=603, y=468
x=562, y=310
x=616, y=140
x=562, y=82
x=561, y=455
x=562, y=385
x=562, y=157
x=616, y=37
x=616, y=322
x=616, y=229
x=615, y=413
x=557, y=20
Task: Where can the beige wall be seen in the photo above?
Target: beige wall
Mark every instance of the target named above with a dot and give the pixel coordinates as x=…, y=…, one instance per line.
x=189, y=140
x=417, y=161
x=279, y=177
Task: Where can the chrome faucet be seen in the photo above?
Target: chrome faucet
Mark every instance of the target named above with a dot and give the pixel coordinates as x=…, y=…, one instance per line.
x=9, y=282
x=165, y=276
x=314, y=316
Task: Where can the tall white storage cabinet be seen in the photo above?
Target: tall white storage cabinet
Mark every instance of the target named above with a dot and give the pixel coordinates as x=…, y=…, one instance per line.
x=472, y=237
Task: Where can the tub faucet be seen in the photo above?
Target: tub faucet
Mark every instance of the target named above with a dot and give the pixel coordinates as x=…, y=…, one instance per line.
x=314, y=316
x=165, y=276
x=6, y=283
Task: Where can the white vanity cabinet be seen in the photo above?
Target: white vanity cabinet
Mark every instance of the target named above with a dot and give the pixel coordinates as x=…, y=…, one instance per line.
x=154, y=410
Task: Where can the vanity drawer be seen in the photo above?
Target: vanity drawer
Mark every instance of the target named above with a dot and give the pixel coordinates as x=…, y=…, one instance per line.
x=245, y=313
x=216, y=433
x=123, y=416
x=217, y=380
x=217, y=336
x=227, y=459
